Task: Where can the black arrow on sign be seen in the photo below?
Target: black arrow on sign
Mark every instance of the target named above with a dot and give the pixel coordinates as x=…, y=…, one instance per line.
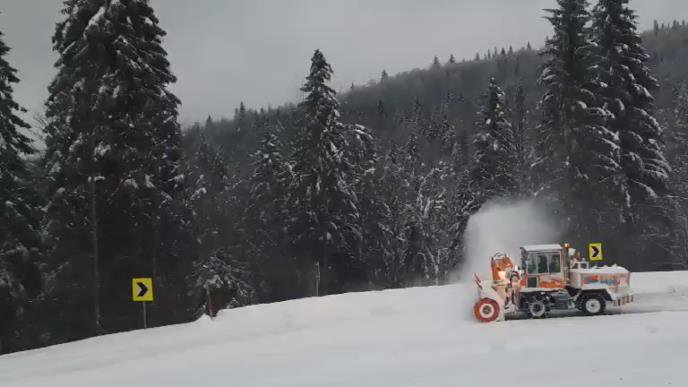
x=595, y=251
x=143, y=289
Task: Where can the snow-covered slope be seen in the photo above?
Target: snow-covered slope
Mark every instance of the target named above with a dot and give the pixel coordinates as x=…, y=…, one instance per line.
x=412, y=337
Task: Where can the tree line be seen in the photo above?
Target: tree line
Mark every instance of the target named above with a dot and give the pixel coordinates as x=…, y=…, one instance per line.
x=369, y=189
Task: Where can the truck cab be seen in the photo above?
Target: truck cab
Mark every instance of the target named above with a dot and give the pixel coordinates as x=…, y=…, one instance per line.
x=544, y=267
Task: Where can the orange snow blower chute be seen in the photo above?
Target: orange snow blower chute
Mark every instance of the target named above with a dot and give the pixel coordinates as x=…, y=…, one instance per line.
x=501, y=265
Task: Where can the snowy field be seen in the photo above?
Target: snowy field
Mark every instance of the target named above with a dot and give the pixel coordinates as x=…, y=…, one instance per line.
x=413, y=337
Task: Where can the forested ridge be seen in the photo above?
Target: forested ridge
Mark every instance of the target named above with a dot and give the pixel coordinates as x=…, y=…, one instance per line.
x=367, y=189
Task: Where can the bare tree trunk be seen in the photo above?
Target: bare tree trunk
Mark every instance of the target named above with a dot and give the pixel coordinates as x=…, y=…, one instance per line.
x=154, y=260
x=96, y=257
x=325, y=270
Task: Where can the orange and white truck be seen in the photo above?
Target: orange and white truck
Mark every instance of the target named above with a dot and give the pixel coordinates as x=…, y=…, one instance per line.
x=550, y=277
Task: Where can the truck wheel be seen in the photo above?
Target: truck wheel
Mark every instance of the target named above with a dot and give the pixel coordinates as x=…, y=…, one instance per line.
x=486, y=310
x=536, y=308
x=593, y=304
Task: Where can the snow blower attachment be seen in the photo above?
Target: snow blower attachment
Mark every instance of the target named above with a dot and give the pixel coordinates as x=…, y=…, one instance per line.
x=550, y=277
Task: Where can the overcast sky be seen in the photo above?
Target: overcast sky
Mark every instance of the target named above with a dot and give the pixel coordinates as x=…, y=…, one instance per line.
x=257, y=51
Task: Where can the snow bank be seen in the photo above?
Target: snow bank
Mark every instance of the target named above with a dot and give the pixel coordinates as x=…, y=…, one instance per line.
x=399, y=338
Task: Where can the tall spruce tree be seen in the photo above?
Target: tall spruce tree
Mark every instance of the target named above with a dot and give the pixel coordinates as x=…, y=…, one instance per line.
x=220, y=278
x=264, y=219
x=393, y=189
x=677, y=148
x=521, y=143
x=626, y=89
x=323, y=207
x=578, y=155
x=113, y=155
x=376, y=248
x=19, y=212
x=495, y=151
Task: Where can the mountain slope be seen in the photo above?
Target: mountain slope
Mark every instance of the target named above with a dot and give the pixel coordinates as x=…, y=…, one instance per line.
x=406, y=337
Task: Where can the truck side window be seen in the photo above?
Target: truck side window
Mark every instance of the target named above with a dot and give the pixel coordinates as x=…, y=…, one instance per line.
x=554, y=264
x=542, y=264
x=532, y=268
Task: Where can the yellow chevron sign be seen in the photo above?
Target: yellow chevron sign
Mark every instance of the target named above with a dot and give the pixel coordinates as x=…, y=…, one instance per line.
x=142, y=289
x=595, y=252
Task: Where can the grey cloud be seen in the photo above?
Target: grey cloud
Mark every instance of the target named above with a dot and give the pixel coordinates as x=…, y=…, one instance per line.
x=257, y=51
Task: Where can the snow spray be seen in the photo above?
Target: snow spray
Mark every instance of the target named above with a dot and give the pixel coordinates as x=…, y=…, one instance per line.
x=504, y=227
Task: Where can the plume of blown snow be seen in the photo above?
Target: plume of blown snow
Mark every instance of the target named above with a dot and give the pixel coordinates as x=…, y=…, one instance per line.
x=503, y=227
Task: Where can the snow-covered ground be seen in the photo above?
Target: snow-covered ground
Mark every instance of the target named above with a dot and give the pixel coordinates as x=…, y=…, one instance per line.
x=412, y=337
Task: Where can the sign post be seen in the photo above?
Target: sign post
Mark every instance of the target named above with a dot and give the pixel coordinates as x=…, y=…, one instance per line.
x=142, y=291
x=595, y=252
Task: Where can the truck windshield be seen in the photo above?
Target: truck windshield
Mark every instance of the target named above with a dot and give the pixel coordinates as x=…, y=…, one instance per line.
x=554, y=264
x=542, y=264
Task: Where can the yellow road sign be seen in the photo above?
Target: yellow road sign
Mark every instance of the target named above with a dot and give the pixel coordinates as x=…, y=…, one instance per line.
x=142, y=289
x=595, y=252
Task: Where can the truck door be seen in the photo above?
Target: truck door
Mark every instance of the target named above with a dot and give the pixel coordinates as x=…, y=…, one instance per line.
x=545, y=270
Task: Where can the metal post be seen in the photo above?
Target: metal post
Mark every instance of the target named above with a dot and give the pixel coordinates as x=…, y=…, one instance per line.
x=145, y=322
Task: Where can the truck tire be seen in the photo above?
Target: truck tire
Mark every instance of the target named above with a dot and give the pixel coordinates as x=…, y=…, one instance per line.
x=536, y=308
x=486, y=310
x=593, y=304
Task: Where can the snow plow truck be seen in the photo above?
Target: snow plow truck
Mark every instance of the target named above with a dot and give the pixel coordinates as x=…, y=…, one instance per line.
x=551, y=277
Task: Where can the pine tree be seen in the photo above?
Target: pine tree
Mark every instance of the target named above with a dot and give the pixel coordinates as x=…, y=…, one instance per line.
x=113, y=159
x=384, y=76
x=209, y=124
x=415, y=265
x=381, y=108
x=521, y=144
x=377, y=249
x=393, y=190
x=677, y=148
x=323, y=207
x=221, y=274
x=626, y=89
x=19, y=212
x=495, y=152
x=452, y=60
x=578, y=155
x=436, y=62
x=264, y=219
x=627, y=85
x=241, y=117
